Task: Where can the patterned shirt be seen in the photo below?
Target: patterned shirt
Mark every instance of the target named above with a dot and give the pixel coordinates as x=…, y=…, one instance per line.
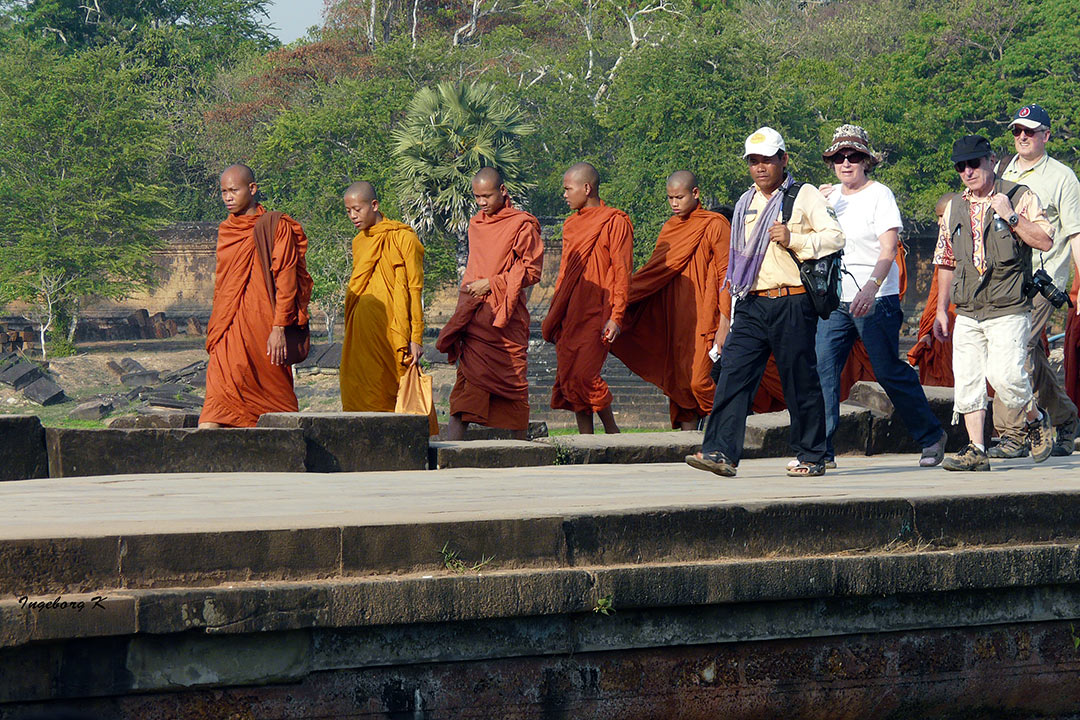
x=1028, y=206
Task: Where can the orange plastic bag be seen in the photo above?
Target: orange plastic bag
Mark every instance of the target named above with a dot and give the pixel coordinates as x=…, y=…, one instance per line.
x=414, y=397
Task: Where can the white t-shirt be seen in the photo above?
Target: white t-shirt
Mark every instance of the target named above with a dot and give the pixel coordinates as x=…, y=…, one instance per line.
x=865, y=216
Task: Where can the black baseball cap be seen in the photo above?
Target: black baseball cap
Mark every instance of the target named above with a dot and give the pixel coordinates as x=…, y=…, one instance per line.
x=1031, y=116
x=970, y=147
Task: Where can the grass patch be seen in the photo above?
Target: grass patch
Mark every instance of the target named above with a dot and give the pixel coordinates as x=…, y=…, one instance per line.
x=556, y=432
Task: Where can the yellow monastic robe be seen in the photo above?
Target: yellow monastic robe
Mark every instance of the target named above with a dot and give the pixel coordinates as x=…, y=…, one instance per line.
x=383, y=313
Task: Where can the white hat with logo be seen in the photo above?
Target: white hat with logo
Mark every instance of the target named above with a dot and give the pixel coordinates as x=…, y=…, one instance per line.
x=765, y=142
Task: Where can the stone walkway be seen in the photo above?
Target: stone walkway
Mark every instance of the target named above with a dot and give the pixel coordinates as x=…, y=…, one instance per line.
x=133, y=504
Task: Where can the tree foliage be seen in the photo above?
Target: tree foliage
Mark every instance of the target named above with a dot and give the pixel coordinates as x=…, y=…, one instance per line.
x=80, y=194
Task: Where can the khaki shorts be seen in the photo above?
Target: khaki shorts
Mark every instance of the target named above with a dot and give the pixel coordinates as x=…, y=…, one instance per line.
x=991, y=351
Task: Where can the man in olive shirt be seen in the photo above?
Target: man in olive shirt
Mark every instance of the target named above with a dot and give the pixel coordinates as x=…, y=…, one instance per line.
x=1059, y=192
x=773, y=313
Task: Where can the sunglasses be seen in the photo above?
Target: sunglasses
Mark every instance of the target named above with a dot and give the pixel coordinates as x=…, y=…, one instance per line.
x=1017, y=131
x=854, y=158
x=973, y=163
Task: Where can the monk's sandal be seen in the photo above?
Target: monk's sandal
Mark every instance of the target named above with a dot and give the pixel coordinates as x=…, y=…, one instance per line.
x=714, y=462
x=970, y=458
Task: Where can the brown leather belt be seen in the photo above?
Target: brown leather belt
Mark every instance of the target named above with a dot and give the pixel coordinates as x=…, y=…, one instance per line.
x=780, y=291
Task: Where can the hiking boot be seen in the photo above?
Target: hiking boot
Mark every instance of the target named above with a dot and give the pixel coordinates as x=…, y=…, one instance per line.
x=714, y=462
x=1066, y=439
x=970, y=458
x=1040, y=438
x=1010, y=446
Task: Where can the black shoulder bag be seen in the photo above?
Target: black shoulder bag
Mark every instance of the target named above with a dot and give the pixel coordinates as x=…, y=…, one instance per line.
x=820, y=276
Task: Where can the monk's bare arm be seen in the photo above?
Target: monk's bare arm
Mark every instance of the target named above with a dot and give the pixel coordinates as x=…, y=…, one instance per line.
x=621, y=243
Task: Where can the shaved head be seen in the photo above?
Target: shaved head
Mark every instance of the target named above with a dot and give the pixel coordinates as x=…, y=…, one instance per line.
x=240, y=172
x=682, y=193
x=488, y=176
x=488, y=191
x=682, y=179
x=584, y=173
x=361, y=190
x=943, y=202
x=362, y=205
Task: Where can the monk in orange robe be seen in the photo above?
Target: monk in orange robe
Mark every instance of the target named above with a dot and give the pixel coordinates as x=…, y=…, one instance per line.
x=1072, y=343
x=931, y=356
x=587, y=308
x=677, y=312
x=488, y=335
x=246, y=375
x=384, y=312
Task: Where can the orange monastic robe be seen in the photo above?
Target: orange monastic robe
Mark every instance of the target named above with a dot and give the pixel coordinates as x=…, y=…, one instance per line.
x=488, y=337
x=1072, y=345
x=384, y=312
x=592, y=287
x=675, y=306
x=241, y=382
x=932, y=357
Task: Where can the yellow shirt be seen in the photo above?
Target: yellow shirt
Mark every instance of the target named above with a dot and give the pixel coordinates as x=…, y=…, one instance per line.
x=815, y=232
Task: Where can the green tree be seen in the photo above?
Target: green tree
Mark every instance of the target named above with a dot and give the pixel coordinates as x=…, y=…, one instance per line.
x=307, y=156
x=79, y=193
x=449, y=132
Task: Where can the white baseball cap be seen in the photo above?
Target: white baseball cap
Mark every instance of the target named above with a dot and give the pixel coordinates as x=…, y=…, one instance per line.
x=765, y=142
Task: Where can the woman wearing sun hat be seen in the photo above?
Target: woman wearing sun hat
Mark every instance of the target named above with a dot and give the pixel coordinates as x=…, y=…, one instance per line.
x=870, y=297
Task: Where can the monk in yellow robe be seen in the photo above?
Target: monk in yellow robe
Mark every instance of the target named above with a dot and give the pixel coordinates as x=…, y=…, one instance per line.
x=384, y=314
x=247, y=375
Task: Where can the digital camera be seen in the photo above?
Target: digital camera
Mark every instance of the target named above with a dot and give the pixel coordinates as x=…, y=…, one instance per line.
x=1042, y=284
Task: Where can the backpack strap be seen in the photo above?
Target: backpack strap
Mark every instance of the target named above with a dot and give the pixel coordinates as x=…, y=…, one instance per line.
x=790, y=193
x=265, y=228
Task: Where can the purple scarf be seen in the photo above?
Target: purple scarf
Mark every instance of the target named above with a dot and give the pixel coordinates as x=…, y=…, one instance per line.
x=747, y=254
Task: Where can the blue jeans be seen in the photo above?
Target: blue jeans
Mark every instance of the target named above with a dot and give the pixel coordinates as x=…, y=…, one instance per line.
x=880, y=333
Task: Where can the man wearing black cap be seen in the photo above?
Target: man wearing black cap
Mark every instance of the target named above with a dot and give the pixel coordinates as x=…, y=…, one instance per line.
x=983, y=256
x=1059, y=192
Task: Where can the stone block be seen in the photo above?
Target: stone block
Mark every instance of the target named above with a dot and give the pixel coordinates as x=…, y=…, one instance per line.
x=140, y=378
x=479, y=432
x=490, y=453
x=331, y=358
x=22, y=443
x=888, y=432
x=131, y=366
x=43, y=391
x=194, y=327
x=767, y=435
x=20, y=375
x=853, y=431
x=39, y=566
x=314, y=353
x=156, y=419
x=650, y=447
x=358, y=442
x=139, y=319
x=92, y=409
x=115, y=369
x=116, y=452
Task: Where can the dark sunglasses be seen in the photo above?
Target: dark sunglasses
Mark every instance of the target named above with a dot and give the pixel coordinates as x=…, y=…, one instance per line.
x=1017, y=130
x=854, y=158
x=973, y=163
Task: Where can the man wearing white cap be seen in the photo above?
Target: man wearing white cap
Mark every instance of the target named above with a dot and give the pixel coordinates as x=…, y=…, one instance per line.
x=1059, y=192
x=773, y=313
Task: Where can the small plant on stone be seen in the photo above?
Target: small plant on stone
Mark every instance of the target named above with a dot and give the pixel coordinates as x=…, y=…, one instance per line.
x=605, y=605
x=563, y=456
x=454, y=563
x=1075, y=639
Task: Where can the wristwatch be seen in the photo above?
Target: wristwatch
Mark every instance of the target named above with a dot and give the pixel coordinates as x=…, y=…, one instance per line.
x=1012, y=220
x=876, y=281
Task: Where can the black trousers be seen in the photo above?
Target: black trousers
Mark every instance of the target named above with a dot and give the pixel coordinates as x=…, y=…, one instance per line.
x=786, y=327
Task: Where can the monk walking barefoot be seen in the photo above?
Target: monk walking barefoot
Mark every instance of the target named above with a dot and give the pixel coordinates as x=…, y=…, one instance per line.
x=247, y=374
x=384, y=313
x=590, y=297
x=488, y=335
x=677, y=311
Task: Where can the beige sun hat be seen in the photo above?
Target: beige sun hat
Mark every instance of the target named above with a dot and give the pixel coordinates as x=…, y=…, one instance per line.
x=852, y=137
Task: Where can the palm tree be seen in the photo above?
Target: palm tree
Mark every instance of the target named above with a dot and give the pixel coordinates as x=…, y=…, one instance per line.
x=449, y=132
